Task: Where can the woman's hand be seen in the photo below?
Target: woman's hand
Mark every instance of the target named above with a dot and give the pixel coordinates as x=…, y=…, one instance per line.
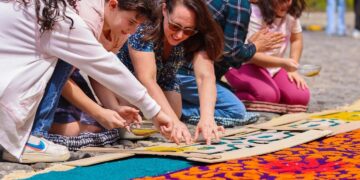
x=110, y=119
x=208, y=129
x=290, y=65
x=130, y=115
x=296, y=77
x=163, y=124
x=180, y=133
x=174, y=130
x=265, y=40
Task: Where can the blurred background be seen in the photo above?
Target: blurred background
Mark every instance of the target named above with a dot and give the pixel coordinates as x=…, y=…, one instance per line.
x=320, y=5
x=338, y=53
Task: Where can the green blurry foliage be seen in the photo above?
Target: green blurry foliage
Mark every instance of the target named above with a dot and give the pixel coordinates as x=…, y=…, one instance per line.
x=320, y=5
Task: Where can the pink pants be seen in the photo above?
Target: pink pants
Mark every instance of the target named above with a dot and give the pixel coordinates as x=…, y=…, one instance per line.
x=254, y=83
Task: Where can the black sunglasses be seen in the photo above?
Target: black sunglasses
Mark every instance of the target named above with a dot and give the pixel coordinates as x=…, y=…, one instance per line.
x=177, y=28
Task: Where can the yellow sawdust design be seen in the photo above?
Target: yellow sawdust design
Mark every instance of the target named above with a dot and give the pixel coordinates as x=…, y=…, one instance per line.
x=346, y=116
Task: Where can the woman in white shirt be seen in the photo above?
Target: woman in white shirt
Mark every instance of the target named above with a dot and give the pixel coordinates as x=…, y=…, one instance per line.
x=32, y=45
x=71, y=119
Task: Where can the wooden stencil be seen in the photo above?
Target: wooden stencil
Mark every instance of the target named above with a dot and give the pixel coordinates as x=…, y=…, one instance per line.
x=255, y=143
x=337, y=121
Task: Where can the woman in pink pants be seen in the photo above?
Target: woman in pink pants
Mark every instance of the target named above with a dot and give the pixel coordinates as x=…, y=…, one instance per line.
x=270, y=82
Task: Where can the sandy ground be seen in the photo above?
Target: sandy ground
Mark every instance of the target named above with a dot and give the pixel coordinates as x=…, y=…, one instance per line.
x=337, y=85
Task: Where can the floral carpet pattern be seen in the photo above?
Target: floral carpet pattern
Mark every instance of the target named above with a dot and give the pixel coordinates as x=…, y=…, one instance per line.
x=336, y=157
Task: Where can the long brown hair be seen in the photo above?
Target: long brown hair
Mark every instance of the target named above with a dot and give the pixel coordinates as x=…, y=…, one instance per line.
x=210, y=36
x=268, y=9
x=143, y=8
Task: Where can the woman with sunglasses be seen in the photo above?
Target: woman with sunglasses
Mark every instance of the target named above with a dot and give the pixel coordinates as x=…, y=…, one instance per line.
x=156, y=51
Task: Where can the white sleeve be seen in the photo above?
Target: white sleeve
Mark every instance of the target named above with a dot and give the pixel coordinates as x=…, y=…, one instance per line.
x=80, y=48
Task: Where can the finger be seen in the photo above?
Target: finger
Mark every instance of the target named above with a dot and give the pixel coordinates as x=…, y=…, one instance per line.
x=179, y=135
x=131, y=119
x=208, y=140
x=302, y=86
x=137, y=119
x=187, y=137
x=163, y=132
x=134, y=110
x=167, y=129
x=279, y=36
x=128, y=128
x=275, y=46
x=174, y=137
x=196, y=136
x=207, y=136
x=175, y=140
x=221, y=129
x=119, y=119
x=138, y=125
x=291, y=78
x=135, y=122
x=264, y=29
x=118, y=124
x=278, y=40
x=306, y=85
x=217, y=138
x=298, y=83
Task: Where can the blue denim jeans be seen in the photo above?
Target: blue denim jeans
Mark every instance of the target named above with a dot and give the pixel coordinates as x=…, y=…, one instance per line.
x=335, y=11
x=229, y=110
x=45, y=113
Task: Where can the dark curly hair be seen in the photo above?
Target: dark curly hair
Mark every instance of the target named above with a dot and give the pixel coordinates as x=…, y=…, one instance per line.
x=48, y=12
x=268, y=7
x=210, y=36
x=54, y=10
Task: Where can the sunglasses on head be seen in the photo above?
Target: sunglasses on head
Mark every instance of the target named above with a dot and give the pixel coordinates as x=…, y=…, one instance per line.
x=177, y=28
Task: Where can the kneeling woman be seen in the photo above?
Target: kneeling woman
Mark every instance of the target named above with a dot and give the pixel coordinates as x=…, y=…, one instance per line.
x=156, y=52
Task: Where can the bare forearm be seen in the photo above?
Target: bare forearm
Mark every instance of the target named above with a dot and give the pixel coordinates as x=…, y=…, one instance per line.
x=207, y=96
x=206, y=82
x=296, y=46
x=73, y=93
x=264, y=60
x=106, y=97
x=158, y=95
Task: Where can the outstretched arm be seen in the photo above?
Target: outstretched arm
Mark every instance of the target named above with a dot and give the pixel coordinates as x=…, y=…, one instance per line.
x=264, y=60
x=110, y=101
x=107, y=118
x=206, y=82
x=145, y=69
x=79, y=47
x=296, y=48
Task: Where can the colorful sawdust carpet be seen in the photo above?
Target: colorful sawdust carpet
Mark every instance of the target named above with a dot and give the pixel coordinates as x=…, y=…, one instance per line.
x=336, y=157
